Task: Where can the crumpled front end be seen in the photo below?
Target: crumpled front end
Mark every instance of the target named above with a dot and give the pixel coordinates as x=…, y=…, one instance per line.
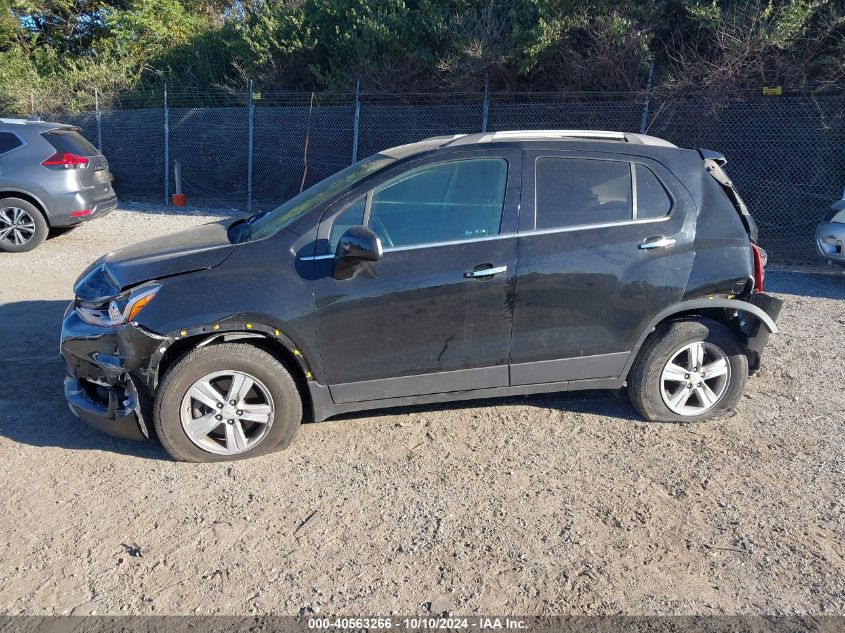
x=108, y=373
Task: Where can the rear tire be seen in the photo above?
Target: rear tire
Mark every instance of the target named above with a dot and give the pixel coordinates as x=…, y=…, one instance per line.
x=22, y=226
x=184, y=403
x=678, y=391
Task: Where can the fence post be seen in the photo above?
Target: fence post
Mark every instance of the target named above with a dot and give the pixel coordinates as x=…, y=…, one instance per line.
x=250, y=114
x=166, y=148
x=99, y=119
x=485, y=111
x=644, y=120
x=356, y=121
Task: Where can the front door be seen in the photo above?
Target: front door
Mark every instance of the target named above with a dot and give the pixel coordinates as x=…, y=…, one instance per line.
x=427, y=317
x=604, y=245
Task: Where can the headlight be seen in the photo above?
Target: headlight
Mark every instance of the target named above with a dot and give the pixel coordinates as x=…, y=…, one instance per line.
x=120, y=310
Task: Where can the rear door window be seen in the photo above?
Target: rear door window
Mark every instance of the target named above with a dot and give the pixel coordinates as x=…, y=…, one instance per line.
x=579, y=191
x=8, y=142
x=71, y=142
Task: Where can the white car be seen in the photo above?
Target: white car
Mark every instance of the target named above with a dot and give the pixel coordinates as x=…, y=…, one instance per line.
x=830, y=233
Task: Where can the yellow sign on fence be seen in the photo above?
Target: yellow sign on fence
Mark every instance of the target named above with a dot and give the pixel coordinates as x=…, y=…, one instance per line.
x=774, y=91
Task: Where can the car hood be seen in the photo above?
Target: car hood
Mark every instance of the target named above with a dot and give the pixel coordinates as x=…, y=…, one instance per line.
x=203, y=247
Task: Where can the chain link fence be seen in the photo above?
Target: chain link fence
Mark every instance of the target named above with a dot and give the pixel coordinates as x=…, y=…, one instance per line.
x=251, y=151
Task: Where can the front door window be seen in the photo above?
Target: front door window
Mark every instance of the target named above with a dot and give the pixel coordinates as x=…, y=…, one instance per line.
x=445, y=202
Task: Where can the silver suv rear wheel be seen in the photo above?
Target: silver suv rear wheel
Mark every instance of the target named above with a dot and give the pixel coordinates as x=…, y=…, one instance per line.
x=16, y=226
x=22, y=227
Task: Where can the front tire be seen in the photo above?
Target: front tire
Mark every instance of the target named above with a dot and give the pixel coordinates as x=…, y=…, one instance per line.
x=688, y=371
x=226, y=402
x=22, y=226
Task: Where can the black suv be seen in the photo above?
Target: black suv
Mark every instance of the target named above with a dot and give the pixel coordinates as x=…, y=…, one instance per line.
x=454, y=268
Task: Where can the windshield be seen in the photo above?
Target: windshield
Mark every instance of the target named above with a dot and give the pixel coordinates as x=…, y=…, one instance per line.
x=270, y=222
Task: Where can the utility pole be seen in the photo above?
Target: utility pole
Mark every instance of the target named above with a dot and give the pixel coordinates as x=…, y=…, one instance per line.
x=251, y=114
x=356, y=121
x=99, y=119
x=644, y=120
x=485, y=110
x=166, y=148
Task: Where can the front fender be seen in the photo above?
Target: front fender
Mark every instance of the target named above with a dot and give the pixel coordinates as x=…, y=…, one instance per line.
x=231, y=329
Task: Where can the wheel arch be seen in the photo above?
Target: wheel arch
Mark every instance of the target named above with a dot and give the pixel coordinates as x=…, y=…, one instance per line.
x=715, y=309
x=269, y=338
x=28, y=197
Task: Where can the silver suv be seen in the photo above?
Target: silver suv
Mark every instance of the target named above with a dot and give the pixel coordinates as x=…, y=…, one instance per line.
x=50, y=177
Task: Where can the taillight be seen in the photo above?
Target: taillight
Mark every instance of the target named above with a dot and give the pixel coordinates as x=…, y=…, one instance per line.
x=65, y=160
x=759, y=272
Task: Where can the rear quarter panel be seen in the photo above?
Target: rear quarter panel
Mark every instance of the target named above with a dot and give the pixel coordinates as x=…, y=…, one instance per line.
x=723, y=260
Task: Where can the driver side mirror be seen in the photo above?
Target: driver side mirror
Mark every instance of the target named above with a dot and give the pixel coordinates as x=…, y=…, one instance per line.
x=358, y=244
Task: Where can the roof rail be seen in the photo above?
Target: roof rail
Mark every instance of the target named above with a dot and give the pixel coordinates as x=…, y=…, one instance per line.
x=541, y=135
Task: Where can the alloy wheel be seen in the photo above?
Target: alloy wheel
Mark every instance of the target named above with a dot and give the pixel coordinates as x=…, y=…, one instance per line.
x=695, y=379
x=16, y=226
x=227, y=412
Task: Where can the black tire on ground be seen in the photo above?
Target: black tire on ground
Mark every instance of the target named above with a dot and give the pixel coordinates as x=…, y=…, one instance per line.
x=644, y=383
x=40, y=226
x=239, y=357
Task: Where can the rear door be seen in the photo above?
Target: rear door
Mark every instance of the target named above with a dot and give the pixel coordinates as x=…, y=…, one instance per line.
x=434, y=314
x=605, y=243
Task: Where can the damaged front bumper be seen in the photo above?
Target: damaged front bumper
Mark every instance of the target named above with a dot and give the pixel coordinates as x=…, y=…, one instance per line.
x=108, y=369
x=114, y=410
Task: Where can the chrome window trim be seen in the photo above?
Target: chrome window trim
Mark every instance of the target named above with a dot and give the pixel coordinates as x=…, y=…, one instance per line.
x=486, y=238
x=503, y=236
x=564, y=229
x=633, y=171
x=368, y=204
x=600, y=225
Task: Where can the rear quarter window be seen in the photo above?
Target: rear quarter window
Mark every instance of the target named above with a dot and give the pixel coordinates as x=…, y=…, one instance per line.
x=8, y=142
x=652, y=199
x=70, y=141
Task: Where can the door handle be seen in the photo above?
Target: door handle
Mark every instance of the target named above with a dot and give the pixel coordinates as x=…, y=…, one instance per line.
x=485, y=272
x=657, y=242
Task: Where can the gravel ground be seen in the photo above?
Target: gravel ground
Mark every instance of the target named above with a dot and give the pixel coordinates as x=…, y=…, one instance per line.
x=539, y=505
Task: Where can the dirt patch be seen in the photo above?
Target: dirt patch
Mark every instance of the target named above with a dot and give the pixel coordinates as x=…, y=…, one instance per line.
x=552, y=504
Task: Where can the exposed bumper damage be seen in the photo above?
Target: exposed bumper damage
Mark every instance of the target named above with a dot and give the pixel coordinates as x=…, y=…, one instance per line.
x=108, y=370
x=114, y=409
x=756, y=331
